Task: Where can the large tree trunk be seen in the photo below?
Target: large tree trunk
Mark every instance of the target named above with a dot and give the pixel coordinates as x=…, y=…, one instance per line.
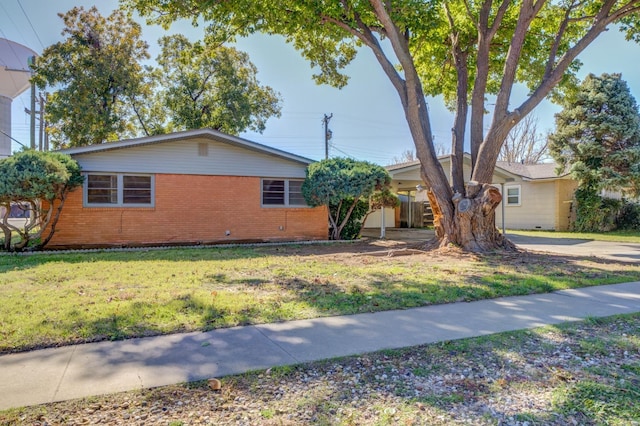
x=466, y=216
x=471, y=222
x=467, y=220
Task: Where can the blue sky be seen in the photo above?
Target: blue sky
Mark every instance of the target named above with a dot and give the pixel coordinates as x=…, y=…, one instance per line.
x=368, y=122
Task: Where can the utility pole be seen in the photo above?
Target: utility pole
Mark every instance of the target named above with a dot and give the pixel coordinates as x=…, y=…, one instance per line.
x=31, y=62
x=32, y=126
x=40, y=145
x=43, y=145
x=327, y=134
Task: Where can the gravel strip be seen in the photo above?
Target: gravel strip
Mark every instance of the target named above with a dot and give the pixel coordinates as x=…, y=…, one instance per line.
x=581, y=374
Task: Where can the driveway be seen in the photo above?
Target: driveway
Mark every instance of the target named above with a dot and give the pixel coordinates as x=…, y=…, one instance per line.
x=624, y=252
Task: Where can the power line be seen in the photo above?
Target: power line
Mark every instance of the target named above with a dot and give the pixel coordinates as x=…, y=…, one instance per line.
x=8, y=15
x=13, y=139
x=30, y=24
x=341, y=151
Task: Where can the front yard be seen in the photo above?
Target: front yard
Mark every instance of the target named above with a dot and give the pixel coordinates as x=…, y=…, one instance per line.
x=60, y=299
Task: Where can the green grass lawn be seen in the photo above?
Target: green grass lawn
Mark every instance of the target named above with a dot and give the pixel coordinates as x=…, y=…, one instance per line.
x=616, y=236
x=58, y=299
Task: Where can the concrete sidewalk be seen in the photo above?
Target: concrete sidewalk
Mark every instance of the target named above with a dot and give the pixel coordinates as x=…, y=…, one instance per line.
x=100, y=368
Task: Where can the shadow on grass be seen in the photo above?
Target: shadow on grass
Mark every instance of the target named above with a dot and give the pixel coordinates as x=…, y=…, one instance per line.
x=362, y=247
x=191, y=254
x=532, y=384
x=282, y=297
x=449, y=378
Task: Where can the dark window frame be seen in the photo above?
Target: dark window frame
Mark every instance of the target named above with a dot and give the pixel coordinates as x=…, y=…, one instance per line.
x=120, y=194
x=278, y=198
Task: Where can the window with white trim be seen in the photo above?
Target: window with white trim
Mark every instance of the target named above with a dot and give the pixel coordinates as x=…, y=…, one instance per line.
x=513, y=195
x=20, y=211
x=118, y=190
x=282, y=193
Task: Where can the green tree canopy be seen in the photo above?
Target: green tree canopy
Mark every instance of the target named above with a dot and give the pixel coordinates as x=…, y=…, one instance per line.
x=597, y=136
x=597, y=139
x=92, y=71
x=101, y=92
x=210, y=85
x=42, y=181
x=340, y=183
x=465, y=51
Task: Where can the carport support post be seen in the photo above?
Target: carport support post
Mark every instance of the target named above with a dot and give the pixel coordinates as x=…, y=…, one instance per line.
x=503, y=202
x=382, y=228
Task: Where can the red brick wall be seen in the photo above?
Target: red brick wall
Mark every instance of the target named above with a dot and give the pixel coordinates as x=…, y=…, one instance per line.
x=189, y=209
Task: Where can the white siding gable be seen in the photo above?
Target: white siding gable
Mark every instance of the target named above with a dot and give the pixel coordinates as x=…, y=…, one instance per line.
x=191, y=157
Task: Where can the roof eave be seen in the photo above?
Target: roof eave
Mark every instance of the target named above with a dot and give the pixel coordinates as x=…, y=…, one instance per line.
x=188, y=134
x=547, y=178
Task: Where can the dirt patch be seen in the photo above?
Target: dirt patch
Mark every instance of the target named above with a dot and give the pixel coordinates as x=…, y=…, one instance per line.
x=412, y=252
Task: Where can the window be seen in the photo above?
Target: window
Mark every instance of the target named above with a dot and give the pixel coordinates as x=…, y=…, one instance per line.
x=282, y=192
x=273, y=192
x=20, y=211
x=113, y=190
x=136, y=189
x=295, y=193
x=102, y=189
x=513, y=195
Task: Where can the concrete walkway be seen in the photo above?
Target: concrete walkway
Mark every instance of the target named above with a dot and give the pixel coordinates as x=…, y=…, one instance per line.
x=100, y=368
x=611, y=250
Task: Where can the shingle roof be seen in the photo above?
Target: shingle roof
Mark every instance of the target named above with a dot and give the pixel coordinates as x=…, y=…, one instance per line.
x=531, y=171
x=403, y=165
x=528, y=171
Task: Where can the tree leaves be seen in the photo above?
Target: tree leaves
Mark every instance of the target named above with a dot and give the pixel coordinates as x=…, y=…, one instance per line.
x=38, y=179
x=210, y=85
x=598, y=135
x=102, y=92
x=339, y=181
x=93, y=70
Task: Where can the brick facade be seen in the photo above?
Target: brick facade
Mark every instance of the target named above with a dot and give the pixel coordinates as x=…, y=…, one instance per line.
x=189, y=209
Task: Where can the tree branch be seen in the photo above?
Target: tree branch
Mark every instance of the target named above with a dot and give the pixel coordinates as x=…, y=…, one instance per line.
x=503, y=123
x=415, y=108
x=134, y=105
x=486, y=33
x=365, y=34
x=462, y=107
x=556, y=42
x=600, y=23
x=528, y=12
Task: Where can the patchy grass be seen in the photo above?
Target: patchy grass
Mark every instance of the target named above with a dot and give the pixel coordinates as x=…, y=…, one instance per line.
x=614, y=236
x=58, y=299
x=543, y=376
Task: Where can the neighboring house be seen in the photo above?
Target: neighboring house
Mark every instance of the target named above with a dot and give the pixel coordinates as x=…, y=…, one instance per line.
x=534, y=197
x=538, y=198
x=193, y=187
x=18, y=215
